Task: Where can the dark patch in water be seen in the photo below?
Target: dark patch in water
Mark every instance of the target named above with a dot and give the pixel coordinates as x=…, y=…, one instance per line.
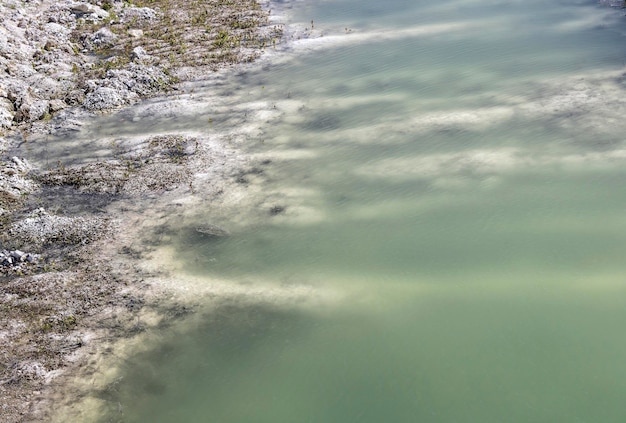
x=154, y=387
x=221, y=338
x=323, y=122
x=211, y=231
x=277, y=210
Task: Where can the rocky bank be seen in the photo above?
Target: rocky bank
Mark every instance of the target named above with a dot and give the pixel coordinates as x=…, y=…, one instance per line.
x=62, y=293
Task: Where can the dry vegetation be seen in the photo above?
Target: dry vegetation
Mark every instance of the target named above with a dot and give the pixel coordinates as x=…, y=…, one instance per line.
x=186, y=33
x=159, y=163
x=207, y=32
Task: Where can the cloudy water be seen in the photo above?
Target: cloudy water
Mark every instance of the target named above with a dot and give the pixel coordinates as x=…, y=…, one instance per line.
x=453, y=172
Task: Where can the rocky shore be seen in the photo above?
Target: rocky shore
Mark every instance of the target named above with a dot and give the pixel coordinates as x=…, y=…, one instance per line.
x=105, y=54
x=63, y=292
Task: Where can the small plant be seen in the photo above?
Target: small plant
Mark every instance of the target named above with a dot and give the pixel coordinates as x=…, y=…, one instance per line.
x=222, y=39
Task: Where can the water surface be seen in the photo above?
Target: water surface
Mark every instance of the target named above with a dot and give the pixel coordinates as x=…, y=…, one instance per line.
x=454, y=171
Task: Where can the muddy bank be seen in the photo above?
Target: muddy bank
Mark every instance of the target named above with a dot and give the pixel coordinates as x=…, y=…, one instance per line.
x=69, y=280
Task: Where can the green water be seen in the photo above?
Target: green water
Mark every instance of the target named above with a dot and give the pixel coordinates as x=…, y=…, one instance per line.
x=452, y=170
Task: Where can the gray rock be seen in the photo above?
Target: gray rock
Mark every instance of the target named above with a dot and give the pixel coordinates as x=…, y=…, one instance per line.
x=17, y=258
x=103, y=37
x=88, y=11
x=139, y=14
x=140, y=54
x=32, y=258
x=80, y=8
x=21, y=165
x=34, y=110
x=103, y=98
x=135, y=33
x=6, y=113
x=56, y=105
x=18, y=255
x=275, y=210
x=57, y=30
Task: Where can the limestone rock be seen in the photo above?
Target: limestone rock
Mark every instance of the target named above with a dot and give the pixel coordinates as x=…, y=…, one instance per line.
x=135, y=33
x=21, y=165
x=140, y=55
x=88, y=11
x=35, y=110
x=57, y=30
x=6, y=113
x=139, y=14
x=103, y=98
x=103, y=37
x=56, y=105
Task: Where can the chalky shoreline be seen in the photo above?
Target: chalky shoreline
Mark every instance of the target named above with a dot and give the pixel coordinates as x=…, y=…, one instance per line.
x=70, y=283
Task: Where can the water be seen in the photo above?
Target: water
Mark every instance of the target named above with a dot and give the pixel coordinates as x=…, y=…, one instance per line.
x=453, y=171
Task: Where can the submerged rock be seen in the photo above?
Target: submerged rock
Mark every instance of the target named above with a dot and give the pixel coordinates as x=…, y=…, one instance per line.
x=277, y=210
x=212, y=231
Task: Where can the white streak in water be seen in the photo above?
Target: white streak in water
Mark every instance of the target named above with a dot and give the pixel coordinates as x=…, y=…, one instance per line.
x=340, y=40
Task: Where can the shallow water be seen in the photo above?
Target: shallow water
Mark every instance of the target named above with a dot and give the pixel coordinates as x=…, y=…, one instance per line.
x=454, y=171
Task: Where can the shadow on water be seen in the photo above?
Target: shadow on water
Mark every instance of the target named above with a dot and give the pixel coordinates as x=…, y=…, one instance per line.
x=196, y=362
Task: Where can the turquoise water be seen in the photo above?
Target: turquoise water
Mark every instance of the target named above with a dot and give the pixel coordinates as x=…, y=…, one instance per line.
x=453, y=171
